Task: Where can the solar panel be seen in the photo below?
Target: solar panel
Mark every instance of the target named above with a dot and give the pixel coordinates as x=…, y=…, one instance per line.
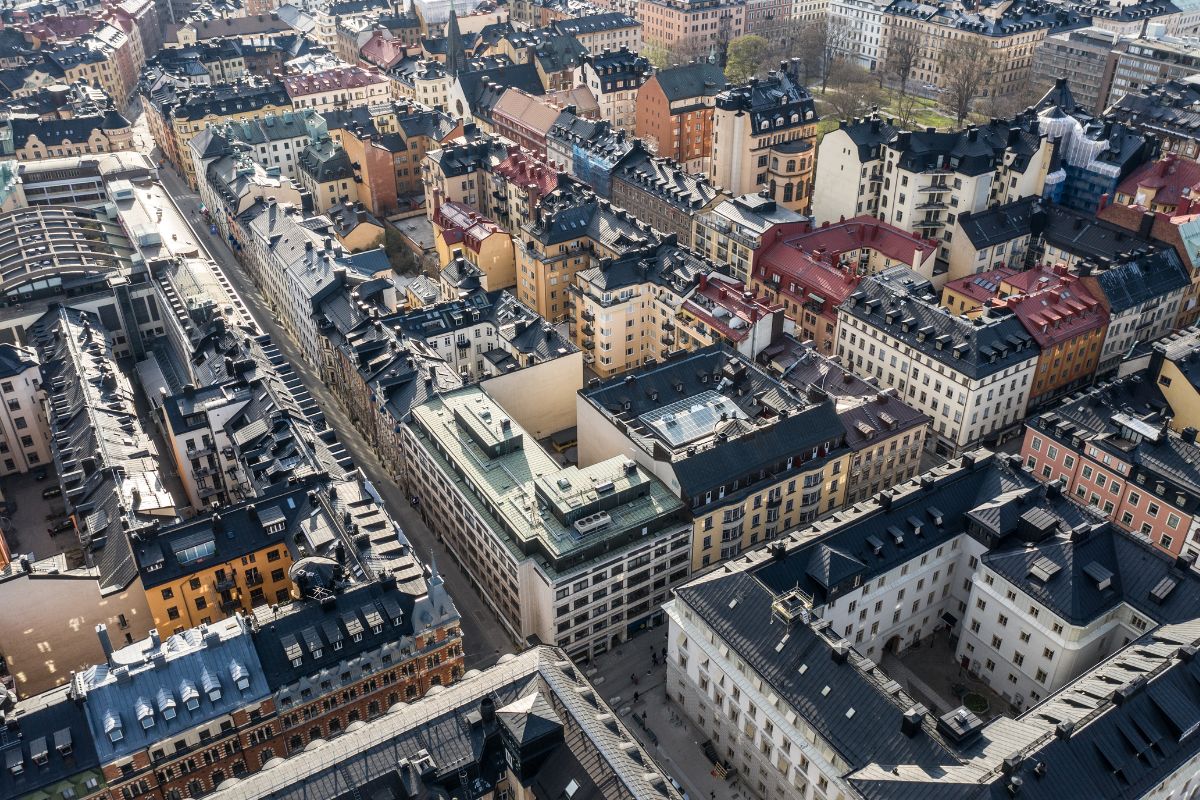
x=291, y=648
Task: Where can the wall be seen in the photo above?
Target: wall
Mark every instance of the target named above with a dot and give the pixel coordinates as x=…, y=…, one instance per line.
x=549, y=409
x=54, y=633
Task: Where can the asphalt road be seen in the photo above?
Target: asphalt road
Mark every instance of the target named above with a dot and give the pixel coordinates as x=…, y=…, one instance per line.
x=484, y=637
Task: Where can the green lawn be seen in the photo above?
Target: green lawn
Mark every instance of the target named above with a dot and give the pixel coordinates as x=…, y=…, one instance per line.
x=928, y=113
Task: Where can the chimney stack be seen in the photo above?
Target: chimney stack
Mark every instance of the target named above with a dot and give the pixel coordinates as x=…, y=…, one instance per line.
x=105, y=642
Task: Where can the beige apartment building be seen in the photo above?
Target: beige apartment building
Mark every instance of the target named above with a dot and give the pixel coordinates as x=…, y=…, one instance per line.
x=764, y=138
x=700, y=24
x=338, y=88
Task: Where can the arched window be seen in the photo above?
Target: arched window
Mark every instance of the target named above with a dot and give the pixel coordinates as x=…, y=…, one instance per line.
x=787, y=193
x=295, y=743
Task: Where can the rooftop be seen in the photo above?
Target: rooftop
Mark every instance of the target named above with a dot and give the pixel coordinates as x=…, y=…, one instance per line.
x=560, y=517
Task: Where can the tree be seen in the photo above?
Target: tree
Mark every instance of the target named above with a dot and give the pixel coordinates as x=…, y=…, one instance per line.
x=855, y=92
x=903, y=53
x=906, y=108
x=967, y=66
x=745, y=58
x=400, y=256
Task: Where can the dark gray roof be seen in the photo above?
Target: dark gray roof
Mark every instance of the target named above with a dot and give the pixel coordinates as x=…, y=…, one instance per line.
x=1135, y=569
x=975, y=348
x=51, y=723
x=778, y=427
x=1141, y=279
x=594, y=23
x=698, y=79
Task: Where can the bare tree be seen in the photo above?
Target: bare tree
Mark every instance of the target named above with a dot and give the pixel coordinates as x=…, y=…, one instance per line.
x=967, y=67
x=906, y=108
x=855, y=92
x=903, y=54
x=835, y=42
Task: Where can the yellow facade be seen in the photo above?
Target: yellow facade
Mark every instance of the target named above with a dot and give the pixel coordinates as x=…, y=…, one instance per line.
x=184, y=130
x=220, y=589
x=719, y=533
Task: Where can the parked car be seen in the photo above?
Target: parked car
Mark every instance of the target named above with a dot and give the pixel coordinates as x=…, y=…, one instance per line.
x=40, y=475
x=61, y=527
x=51, y=491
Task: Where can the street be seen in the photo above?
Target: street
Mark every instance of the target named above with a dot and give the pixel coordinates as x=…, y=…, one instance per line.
x=668, y=736
x=484, y=638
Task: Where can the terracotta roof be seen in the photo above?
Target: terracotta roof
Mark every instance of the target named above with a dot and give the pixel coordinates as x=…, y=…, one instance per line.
x=983, y=286
x=863, y=232
x=720, y=292
x=330, y=79
x=1174, y=180
x=1059, y=313
x=803, y=277
x=532, y=112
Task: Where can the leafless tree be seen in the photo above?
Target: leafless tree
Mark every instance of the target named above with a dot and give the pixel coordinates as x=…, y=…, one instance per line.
x=906, y=108
x=903, y=54
x=854, y=93
x=967, y=67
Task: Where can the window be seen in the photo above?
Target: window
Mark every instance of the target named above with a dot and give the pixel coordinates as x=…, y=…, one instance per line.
x=1048, y=654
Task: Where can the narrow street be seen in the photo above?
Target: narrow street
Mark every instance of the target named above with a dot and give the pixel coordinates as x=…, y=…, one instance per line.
x=485, y=639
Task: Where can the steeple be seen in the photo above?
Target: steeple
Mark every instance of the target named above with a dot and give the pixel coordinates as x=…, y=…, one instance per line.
x=454, y=46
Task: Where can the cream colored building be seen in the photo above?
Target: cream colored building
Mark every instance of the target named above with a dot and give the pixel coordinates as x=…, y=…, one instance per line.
x=338, y=88
x=764, y=139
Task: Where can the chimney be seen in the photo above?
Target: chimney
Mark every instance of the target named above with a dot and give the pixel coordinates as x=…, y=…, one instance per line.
x=105, y=642
x=155, y=641
x=1146, y=225
x=1103, y=202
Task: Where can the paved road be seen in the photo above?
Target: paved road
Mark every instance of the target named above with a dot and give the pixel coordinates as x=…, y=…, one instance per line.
x=484, y=638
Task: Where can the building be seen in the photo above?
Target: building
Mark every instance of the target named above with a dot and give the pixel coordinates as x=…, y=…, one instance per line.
x=972, y=377
x=534, y=713
x=1167, y=111
x=764, y=139
x=1008, y=35
x=614, y=77
x=368, y=648
x=50, y=747
x=1110, y=448
x=1155, y=202
x=275, y=142
x=737, y=229
x=337, y=88
x=1150, y=60
x=923, y=181
x=813, y=271
x=662, y=194
x=31, y=139
x=698, y=24
x=205, y=680
x=673, y=112
x=524, y=120
x=590, y=151
x=885, y=435
x=861, y=25
x=581, y=556
x=747, y=457
x=1171, y=369
x=24, y=432
x=1093, y=155
x=572, y=230
x=1068, y=322
x=174, y=116
x=487, y=249
x=995, y=555
x=611, y=30
x=1082, y=59
x=655, y=303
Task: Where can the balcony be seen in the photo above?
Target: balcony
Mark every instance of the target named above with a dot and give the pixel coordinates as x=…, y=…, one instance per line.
x=204, y=471
x=934, y=187
x=225, y=584
x=254, y=578
x=589, y=344
x=668, y=340
x=201, y=451
x=588, y=330
x=231, y=605
x=774, y=502
x=668, y=325
x=463, y=344
x=207, y=491
x=588, y=315
x=931, y=205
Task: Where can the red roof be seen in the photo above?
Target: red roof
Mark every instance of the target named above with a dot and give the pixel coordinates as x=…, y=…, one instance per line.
x=796, y=274
x=983, y=286
x=524, y=169
x=863, y=232
x=465, y=224
x=1175, y=181
x=717, y=292
x=330, y=79
x=383, y=49
x=1059, y=313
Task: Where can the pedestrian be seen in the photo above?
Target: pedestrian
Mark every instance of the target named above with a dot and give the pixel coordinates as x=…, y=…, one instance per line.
x=654, y=659
x=635, y=697
x=664, y=655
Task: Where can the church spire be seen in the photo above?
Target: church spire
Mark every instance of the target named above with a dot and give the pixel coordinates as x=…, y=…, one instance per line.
x=454, y=46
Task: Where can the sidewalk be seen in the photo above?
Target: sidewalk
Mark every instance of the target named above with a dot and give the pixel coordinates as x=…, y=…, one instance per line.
x=666, y=734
